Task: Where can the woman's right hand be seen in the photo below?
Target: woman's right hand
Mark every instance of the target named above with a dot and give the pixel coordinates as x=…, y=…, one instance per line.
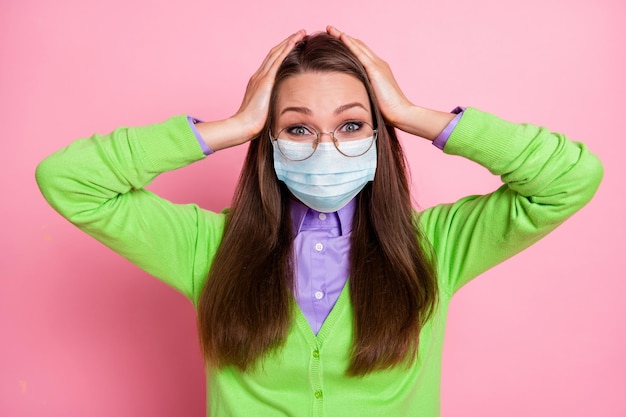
x=248, y=121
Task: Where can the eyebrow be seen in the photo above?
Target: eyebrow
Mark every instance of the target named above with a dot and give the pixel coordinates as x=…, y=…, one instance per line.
x=348, y=106
x=340, y=109
x=303, y=110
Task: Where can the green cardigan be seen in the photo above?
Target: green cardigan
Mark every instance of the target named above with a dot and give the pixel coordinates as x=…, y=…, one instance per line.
x=98, y=184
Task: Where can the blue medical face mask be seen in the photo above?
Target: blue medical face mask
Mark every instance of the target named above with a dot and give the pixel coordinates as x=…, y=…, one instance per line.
x=327, y=180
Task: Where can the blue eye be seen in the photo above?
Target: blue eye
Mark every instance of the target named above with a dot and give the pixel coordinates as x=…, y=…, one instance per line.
x=299, y=131
x=352, y=126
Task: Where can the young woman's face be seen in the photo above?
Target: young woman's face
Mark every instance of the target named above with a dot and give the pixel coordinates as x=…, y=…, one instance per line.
x=321, y=100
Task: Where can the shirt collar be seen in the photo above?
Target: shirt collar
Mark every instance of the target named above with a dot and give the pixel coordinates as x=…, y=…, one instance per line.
x=299, y=211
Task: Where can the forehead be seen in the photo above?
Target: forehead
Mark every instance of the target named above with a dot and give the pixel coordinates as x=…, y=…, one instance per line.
x=321, y=91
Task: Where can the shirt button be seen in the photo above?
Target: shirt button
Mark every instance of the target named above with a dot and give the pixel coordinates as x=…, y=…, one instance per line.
x=322, y=216
x=319, y=295
x=319, y=246
x=318, y=394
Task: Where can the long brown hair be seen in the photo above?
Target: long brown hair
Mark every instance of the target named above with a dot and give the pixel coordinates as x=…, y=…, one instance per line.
x=245, y=309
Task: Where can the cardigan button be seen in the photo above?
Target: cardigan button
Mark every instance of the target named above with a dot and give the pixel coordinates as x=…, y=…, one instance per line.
x=316, y=354
x=318, y=394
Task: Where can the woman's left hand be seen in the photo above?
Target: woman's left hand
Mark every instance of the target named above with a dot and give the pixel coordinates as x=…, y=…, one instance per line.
x=393, y=103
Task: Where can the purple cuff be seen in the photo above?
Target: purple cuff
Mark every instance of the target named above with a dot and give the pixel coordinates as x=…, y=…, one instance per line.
x=441, y=140
x=192, y=123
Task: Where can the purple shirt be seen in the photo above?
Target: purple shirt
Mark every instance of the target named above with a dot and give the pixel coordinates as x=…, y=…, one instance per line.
x=322, y=256
x=322, y=245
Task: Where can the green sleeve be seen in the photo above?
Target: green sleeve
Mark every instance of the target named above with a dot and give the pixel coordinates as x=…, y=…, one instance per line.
x=546, y=177
x=98, y=184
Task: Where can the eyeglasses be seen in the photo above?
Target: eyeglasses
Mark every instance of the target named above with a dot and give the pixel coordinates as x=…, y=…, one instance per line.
x=299, y=142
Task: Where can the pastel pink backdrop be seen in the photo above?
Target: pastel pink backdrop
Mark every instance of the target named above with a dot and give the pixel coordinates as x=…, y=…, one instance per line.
x=85, y=333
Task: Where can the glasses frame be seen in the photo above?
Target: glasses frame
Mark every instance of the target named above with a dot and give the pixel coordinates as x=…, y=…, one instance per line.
x=332, y=136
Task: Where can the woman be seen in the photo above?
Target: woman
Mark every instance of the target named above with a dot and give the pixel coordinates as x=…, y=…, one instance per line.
x=323, y=195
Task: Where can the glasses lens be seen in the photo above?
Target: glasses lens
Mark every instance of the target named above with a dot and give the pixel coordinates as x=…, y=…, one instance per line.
x=297, y=142
x=354, y=137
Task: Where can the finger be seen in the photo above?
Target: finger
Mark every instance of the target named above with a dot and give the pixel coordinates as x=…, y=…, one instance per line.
x=281, y=50
x=333, y=31
x=287, y=47
x=291, y=39
x=276, y=57
x=356, y=46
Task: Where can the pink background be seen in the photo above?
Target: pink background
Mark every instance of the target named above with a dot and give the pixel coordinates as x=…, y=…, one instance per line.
x=84, y=333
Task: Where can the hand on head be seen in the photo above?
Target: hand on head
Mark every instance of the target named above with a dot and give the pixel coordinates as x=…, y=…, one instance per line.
x=254, y=108
x=393, y=103
x=255, y=105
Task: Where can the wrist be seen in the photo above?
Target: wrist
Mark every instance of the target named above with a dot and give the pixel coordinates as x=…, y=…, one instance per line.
x=424, y=122
x=222, y=134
